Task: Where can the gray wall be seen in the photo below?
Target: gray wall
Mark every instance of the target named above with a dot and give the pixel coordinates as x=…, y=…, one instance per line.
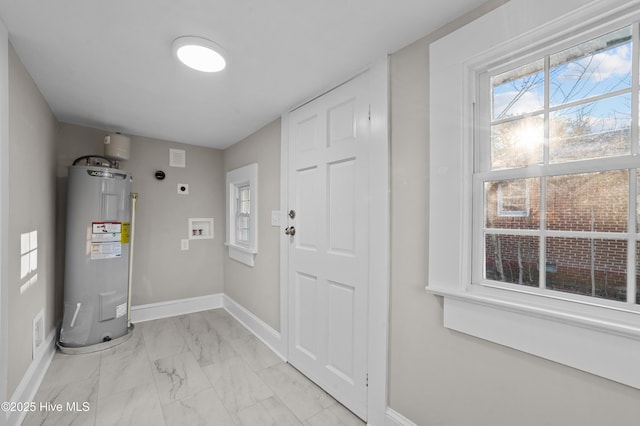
x=440, y=377
x=162, y=271
x=33, y=133
x=257, y=288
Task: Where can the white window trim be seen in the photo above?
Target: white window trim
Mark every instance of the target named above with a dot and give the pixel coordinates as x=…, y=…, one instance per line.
x=244, y=252
x=588, y=335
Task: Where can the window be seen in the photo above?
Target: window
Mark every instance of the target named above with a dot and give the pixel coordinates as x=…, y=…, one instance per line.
x=243, y=214
x=242, y=206
x=513, y=198
x=566, y=120
x=534, y=238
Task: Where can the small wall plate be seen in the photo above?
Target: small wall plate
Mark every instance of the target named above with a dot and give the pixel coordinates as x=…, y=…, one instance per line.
x=183, y=188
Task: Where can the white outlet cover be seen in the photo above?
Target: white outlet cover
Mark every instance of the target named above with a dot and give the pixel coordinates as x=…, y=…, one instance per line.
x=183, y=188
x=184, y=244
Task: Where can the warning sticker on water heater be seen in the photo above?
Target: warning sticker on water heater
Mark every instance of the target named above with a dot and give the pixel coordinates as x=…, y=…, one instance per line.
x=106, y=227
x=121, y=310
x=124, y=236
x=105, y=250
x=105, y=240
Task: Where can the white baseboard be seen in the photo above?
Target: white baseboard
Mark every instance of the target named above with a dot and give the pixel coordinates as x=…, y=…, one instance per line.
x=172, y=308
x=28, y=386
x=393, y=418
x=259, y=328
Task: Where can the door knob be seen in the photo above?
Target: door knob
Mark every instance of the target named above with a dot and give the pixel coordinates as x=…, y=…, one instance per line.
x=290, y=230
x=292, y=214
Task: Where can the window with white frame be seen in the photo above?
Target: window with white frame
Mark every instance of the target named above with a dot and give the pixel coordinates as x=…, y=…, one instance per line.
x=243, y=214
x=513, y=198
x=543, y=189
x=242, y=207
x=561, y=125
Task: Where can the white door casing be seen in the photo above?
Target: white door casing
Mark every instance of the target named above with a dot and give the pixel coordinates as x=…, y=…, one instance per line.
x=328, y=271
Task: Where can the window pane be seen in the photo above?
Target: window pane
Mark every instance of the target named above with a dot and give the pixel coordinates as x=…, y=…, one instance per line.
x=518, y=91
x=517, y=143
x=588, y=202
x=593, y=68
x=590, y=267
x=244, y=193
x=591, y=130
x=512, y=259
x=513, y=204
x=242, y=229
x=244, y=200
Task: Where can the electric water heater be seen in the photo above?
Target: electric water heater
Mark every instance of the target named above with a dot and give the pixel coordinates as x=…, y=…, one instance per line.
x=97, y=256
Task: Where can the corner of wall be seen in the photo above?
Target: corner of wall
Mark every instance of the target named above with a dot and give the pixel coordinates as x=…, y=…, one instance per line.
x=32, y=128
x=4, y=213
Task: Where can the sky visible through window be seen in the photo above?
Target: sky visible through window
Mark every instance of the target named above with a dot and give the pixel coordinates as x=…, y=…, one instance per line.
x=595, y=69
x=589, y=104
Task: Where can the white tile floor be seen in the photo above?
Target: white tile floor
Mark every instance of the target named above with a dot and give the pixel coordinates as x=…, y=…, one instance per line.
x=198, y=369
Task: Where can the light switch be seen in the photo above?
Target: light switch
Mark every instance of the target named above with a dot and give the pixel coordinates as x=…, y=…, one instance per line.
x=184, y=244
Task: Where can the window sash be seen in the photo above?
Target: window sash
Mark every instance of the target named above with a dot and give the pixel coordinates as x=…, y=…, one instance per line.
x=547, y=168
x=243, y=214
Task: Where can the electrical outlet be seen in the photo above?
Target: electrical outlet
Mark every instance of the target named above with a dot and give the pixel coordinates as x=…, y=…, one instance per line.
x=183, y=188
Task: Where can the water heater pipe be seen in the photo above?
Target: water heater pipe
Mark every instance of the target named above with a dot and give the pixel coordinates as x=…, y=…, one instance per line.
x=132, y=228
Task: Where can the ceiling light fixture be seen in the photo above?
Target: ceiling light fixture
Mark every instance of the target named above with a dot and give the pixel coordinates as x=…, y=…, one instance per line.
x=199, y=53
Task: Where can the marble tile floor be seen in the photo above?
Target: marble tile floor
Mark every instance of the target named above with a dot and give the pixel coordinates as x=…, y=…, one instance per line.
x=198, y=369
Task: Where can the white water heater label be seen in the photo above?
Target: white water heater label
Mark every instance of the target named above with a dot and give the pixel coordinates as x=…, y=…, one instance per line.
x=106, y=227
x=106, y=240
x=121, y=310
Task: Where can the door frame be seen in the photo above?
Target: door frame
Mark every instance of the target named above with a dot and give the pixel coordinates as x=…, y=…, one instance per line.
x=379, y=239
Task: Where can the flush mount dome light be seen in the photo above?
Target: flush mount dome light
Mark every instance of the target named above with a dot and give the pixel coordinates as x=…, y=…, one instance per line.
x=199, y=53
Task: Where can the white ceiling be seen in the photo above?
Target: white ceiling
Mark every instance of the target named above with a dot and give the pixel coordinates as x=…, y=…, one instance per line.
x=109, y=65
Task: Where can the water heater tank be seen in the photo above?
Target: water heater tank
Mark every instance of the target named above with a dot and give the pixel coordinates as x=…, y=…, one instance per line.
x=97, y=256
x=117, y=147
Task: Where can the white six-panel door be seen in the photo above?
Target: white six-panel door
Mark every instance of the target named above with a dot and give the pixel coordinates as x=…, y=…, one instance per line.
x=328, y=254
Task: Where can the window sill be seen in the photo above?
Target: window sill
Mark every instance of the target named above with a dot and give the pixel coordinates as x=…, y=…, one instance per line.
x=242, y=254
x=569, y=333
